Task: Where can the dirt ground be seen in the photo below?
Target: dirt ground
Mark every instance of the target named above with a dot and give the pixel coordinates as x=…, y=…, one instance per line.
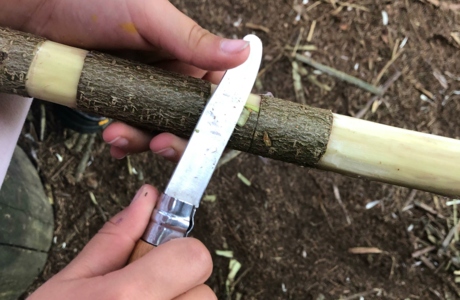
x=287, y=229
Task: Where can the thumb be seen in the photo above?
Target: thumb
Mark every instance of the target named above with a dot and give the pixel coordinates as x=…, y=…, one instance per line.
x=176, y=33
x=110, y=248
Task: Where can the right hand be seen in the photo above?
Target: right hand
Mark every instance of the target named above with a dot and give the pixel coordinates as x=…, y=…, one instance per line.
x=174, y=270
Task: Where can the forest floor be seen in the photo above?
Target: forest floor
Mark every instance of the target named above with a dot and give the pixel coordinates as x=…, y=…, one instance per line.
x=288, y=230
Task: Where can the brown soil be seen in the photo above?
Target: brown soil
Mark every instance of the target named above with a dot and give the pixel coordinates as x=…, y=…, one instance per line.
x=287, y=229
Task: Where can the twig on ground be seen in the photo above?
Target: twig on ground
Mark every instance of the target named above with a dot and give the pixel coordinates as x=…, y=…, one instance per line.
x=269, y=65
x=339, y=199
x=340, y=75
x=99, y=208
x=421, y=89
x=81, y=142
x=297, y=83
x=130, y=167
x=312, y=31
x=61, y=168
x=427, y=208
x=302, y=48
x=423, y=251
x=408, y=205
x=450, y=235
x=299, y=38
x=427, y=263
x=313, y=79
x=245, y=272
x=384, y=88
x=42, y=121
x=315, y=4
x=323, y=209
x=84, y=160
x=385, y=68
x=70, y=142
x=257, y=27
x=436, y=293
x=243, y=179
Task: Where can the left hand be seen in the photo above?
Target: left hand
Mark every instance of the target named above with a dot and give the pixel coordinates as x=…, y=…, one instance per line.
x=154, y=28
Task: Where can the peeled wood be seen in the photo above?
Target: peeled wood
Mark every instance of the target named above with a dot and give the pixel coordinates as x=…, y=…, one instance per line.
x=156, y=100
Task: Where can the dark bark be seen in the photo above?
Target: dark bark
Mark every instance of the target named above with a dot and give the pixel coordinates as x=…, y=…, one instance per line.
x=17, y=50
x=156, y=100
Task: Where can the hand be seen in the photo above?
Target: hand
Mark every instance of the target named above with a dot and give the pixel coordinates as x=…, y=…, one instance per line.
x=174, y=270
x=153, y=27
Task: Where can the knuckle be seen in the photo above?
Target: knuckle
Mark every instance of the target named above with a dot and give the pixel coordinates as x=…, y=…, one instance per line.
x=199, y=256
x=127, y=290
x=208, y=293
x=196, y=35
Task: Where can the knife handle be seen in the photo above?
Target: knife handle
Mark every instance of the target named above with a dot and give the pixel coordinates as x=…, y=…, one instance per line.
x=171, y=219
x=141, y=249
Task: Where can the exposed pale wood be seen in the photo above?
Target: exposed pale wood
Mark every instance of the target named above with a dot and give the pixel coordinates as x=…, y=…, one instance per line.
x=397, y=156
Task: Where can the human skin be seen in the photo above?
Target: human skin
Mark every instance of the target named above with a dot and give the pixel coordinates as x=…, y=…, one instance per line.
x=174, y=270
x=177, y=269
x=174, y=41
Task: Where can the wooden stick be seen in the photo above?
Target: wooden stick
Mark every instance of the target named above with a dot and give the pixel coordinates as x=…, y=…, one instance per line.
x=156, y=100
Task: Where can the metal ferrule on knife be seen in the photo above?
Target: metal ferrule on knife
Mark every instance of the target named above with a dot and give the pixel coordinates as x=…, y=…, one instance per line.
x=171, y=218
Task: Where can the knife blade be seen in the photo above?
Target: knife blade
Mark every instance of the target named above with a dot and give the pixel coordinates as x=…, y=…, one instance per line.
x=175, y=210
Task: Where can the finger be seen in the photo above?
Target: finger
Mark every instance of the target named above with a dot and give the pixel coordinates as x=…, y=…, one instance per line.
x=167, y=271
x=186, y=40
x=201, y=292
x=214, y=77
x=168, y=145
x=126, y=138
x=182, y=68
x=110, y=248
x=186, y=69
x=117, y=153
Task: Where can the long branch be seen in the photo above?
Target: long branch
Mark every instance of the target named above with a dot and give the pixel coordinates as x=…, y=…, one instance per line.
x=156, y=100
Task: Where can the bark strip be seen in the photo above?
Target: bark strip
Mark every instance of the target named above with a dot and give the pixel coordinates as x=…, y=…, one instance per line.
x=17, y=49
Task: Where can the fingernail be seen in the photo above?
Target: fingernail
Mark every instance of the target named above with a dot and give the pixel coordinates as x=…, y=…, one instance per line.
x=167, y=153
x=118, y=142
x=138, y=194
x=233, y=46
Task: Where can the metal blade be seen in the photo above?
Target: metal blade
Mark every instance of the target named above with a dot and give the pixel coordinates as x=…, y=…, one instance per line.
x=216, y=124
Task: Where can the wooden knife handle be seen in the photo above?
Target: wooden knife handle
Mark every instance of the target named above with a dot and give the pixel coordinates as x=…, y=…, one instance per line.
x=141, y=249
x=171, y=219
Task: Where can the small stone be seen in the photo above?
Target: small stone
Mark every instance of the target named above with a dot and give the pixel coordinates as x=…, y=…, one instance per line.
x=92, y=182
